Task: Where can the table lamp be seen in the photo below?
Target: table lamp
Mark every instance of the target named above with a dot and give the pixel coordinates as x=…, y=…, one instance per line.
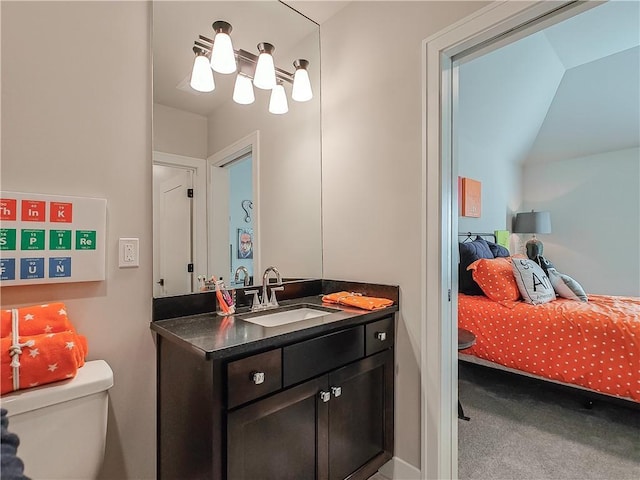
x=533, y=222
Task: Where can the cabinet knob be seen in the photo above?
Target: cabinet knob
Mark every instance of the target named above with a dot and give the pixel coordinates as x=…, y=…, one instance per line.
x=337, y=391
x=257, y=377
x=325, y=396
x=382, y=336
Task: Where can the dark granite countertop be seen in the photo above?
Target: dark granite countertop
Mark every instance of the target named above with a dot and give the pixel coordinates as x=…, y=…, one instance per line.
x=217, y=337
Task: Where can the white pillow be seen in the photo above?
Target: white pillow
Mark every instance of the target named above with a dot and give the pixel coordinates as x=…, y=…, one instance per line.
x=565, y=286
x=534, y=285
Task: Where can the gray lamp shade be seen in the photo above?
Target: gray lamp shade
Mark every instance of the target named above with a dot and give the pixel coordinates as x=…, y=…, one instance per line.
x=532, y=222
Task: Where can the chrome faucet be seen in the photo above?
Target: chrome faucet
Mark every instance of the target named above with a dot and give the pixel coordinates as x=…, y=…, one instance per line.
x=247, y=280
x=266, y=303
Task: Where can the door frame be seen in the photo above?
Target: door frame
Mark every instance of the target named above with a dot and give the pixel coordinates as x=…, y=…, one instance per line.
x=500, y=22
x=199, y=233
x=249, y=143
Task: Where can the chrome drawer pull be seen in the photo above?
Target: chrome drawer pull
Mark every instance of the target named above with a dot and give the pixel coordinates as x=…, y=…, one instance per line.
x=257, y=377
x=337, y=391
x=325, y=396
x=382, y=336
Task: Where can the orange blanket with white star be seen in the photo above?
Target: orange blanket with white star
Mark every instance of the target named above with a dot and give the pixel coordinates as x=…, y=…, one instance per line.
x=44, y=349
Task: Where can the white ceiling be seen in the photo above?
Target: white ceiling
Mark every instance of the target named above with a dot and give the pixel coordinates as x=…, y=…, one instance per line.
x=591, y=105
x=318, y=11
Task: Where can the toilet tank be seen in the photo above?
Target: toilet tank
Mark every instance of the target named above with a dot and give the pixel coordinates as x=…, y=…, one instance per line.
x=62, y=426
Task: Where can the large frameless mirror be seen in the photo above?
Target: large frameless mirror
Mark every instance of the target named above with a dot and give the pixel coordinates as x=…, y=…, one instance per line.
x=236, y=188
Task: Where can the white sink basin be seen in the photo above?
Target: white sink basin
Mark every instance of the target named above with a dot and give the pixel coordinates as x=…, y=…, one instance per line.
x=296, y=314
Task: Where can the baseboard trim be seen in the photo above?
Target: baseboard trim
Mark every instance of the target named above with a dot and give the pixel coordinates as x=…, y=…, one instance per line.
x=398, y=469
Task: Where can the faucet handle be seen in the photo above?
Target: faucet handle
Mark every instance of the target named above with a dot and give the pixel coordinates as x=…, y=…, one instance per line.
x=274, y=301
x=255, y=304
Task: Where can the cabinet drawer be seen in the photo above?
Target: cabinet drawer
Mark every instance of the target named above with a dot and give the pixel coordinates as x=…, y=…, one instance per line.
x=319, y=355
x=379, y=335
x=254, y=377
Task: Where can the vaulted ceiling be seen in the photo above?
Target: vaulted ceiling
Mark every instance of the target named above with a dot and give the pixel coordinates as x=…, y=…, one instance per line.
x=568, y=91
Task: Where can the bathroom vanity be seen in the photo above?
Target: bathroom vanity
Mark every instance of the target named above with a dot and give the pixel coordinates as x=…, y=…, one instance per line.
x=309, y=399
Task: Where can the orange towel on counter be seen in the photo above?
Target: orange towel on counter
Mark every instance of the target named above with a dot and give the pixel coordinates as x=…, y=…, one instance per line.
x=47, y=347
x=358, y=300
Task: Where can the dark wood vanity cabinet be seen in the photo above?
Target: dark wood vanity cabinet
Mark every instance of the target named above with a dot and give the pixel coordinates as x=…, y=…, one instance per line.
x=319, y=409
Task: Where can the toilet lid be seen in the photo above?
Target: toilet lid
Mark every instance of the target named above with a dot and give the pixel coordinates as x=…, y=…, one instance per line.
x=95, y=376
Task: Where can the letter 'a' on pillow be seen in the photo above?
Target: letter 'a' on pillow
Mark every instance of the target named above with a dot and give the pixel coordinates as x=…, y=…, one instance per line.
x=565, y=286
x=469, y=253
x=535, y=287
x=495, y=277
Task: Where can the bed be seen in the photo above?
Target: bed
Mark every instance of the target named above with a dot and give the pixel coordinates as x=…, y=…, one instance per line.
x=592, y=345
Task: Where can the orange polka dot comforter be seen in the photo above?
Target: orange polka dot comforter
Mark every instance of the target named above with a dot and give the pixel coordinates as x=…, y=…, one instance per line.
x=594, y=344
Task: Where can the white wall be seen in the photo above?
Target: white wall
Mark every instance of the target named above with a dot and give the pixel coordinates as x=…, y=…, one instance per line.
x=179, y=132
x=502, y=102
x=371, y=167
x=595, y=216
x=77, y=121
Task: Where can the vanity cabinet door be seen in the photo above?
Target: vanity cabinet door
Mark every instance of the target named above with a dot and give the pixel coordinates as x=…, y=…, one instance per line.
x=361, y=416
x=280, y=437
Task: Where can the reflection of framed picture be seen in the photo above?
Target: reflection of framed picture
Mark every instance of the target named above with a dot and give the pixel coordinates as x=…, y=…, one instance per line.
x=245, y=243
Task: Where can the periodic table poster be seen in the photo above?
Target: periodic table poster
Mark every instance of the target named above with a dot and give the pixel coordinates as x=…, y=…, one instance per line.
x=51, y=238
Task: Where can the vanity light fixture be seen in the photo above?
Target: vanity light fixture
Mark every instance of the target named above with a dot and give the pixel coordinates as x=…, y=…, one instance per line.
x=259, y=70
x=223, y=58
x=265, y=76
x=243, y=90
x=301, y=91
x=278, y=100
x=201, y=75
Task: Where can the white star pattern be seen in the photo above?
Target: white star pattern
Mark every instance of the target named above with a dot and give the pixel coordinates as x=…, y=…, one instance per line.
x=62, y=311
x=51, y=335
x=53, y=367
x=70, y=345
x=28, y=317
x=34, y=352
x=48, y=329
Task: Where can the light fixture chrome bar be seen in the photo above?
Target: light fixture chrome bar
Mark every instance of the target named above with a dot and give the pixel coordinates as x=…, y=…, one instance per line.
x=243, y=55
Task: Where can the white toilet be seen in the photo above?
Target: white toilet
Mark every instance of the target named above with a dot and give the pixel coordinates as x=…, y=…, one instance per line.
x=62, y=426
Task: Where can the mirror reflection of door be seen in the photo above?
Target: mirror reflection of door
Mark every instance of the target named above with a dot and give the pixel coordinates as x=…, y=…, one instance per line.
x=174, y=229
x=232, y=216
x=241, y=236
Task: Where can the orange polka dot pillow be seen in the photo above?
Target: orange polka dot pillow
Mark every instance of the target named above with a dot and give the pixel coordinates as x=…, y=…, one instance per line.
x=495, y=277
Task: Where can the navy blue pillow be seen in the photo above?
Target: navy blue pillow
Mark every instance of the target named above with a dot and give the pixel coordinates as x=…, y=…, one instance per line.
x=469, y=253
x=498, y=250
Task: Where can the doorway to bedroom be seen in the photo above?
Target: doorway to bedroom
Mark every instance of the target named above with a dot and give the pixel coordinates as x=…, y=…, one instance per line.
x=542, y=121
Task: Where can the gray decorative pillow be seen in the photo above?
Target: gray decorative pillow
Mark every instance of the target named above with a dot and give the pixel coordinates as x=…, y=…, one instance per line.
x=534, y=285
x=565, y=286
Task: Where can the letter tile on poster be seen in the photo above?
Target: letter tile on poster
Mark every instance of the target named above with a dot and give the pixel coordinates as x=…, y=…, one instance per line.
x=51, y=238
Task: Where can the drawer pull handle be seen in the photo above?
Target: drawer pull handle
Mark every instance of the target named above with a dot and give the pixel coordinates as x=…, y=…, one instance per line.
x=257, y=377
x=382, y=336
x=325, y=396
x=337, y=391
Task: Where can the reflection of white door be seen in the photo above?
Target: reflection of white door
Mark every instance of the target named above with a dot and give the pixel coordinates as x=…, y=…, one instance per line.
x=175, y=242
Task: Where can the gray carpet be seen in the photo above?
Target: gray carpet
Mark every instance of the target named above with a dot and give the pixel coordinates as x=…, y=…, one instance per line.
x=522, y=428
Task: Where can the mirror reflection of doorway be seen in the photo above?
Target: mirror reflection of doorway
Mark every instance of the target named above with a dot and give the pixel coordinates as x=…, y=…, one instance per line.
x=174, y=227
x=241, y=215
x=179, y=223
x=233, y=218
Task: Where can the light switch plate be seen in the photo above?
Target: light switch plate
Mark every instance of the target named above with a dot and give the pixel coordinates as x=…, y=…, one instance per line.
x=128, y=252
